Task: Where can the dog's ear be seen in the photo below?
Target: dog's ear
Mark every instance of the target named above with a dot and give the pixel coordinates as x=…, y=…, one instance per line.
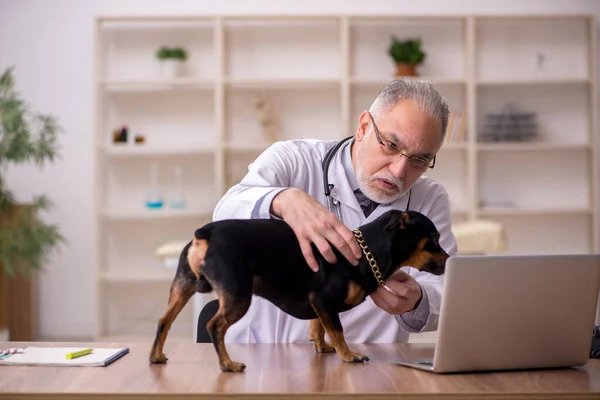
x=398, y=221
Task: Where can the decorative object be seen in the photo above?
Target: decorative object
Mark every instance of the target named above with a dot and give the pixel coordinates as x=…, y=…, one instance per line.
x=497, y=203
x=480, y=237
x=457, y=126
x=171, y=61
x=266, y=116
x=140, y=139
x=511, y=125
x=26, y=137
x=178, y=200
x=154, y=200
x=169, y=252
x=120, y=135
x=407, y=55
x=539, y=64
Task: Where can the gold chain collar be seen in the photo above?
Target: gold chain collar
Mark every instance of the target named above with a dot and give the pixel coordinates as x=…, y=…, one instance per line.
x=370, y=258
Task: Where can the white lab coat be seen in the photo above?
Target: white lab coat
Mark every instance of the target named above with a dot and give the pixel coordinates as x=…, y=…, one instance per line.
x=297, y=163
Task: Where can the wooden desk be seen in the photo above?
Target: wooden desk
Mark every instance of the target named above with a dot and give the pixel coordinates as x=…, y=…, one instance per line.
x=282, y=371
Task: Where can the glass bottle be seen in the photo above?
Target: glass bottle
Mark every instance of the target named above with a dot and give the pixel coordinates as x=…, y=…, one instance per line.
x=154, y=199
x=178, y=199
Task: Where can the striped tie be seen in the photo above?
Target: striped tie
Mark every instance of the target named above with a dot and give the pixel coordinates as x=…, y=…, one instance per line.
x=365, y=203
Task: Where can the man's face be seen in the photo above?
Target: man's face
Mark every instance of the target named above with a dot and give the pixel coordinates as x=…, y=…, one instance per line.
x=383, y=174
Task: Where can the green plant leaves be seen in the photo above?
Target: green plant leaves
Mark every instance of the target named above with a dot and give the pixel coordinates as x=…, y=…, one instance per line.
x=25, y=136
x=407, y=51
x=25, y=242
x=177, y=53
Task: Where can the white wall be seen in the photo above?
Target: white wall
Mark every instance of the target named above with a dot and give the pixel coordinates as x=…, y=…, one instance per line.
x=50, y=43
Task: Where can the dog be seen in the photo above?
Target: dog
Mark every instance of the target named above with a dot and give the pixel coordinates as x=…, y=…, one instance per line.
x=239, y=258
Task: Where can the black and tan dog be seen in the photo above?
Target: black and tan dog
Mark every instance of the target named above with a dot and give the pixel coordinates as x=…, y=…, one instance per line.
x=238, y=258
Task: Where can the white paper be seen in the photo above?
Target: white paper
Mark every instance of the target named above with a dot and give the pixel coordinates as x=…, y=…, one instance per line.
x=56, y=356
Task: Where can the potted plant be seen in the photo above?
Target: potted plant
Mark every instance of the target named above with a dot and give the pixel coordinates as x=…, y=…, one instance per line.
x=25, y=239
x=407, y=55
x=171, y=60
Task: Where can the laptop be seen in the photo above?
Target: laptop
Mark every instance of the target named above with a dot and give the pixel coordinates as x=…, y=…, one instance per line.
x=515, y=312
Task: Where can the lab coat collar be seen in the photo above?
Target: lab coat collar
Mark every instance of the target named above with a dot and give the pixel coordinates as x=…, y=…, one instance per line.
x=342, y=189
x=346, y=159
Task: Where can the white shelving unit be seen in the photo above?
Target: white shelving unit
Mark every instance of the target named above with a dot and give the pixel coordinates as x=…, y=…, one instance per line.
x=319, y=73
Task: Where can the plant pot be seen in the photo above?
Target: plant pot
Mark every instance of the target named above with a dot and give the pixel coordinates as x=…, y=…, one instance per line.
x=18, y=301
x=3, y=302
x=403, y=69
x=170, y=69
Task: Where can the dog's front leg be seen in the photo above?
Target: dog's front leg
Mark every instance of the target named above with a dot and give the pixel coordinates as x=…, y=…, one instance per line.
x=317, y=336
x=331, y=321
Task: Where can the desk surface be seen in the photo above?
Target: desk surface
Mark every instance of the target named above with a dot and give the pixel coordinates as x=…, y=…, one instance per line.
x=282, y=371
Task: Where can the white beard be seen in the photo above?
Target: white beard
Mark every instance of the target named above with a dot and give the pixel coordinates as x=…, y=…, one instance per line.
x=365, y=183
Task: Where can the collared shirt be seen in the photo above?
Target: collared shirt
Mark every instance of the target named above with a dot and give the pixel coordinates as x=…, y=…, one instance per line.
x=366, y=204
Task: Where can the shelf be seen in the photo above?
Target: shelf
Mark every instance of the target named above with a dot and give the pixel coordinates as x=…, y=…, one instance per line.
x=148, y=214
x=139, y=275
x=277, y=48
x=124, y=150
x=501, y=211
x=534, y=180
x=454, y=146
x=533, y=81
x=283, y=83
x=541, y=233
x=458, y=211
x=157, y=85
x=434, y=80
x=158, y=21
x=280, y=21
x=302, y=113
x=443, y=39
x=549, y=49
x=561, y=111
x=524, y=146
x=319, y=73
x=246, y=147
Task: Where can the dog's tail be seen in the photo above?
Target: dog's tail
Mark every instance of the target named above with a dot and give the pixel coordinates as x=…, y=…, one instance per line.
x=202, y=284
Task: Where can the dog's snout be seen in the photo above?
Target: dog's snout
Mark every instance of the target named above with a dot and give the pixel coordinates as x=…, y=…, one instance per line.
x=436, y=264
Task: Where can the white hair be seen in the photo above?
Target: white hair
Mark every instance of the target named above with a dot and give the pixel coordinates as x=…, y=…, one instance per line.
x=422, y=93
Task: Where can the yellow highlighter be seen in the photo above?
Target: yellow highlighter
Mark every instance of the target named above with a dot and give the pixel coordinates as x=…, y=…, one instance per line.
x=79, y=353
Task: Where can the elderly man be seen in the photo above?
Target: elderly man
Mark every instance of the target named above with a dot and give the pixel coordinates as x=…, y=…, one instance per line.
x=379, y=168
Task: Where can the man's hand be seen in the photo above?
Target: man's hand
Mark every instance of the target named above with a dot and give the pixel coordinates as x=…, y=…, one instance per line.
x=313, y=223
x=405, y=296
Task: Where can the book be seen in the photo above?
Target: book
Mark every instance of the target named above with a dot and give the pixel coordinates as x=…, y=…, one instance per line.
x=56, y=357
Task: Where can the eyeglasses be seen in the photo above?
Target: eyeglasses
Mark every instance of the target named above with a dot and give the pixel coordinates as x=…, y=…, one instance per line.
x=390, y=148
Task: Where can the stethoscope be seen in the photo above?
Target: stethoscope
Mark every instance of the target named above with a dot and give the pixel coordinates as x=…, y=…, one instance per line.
x=334, y=204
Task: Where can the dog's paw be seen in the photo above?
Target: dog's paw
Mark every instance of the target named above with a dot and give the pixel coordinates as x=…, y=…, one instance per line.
x=354, y=358
x=326, y=348
x=158, y=359
x=233, y=366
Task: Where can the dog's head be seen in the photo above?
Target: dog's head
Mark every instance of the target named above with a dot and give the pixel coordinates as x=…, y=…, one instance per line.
x=410, y=239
